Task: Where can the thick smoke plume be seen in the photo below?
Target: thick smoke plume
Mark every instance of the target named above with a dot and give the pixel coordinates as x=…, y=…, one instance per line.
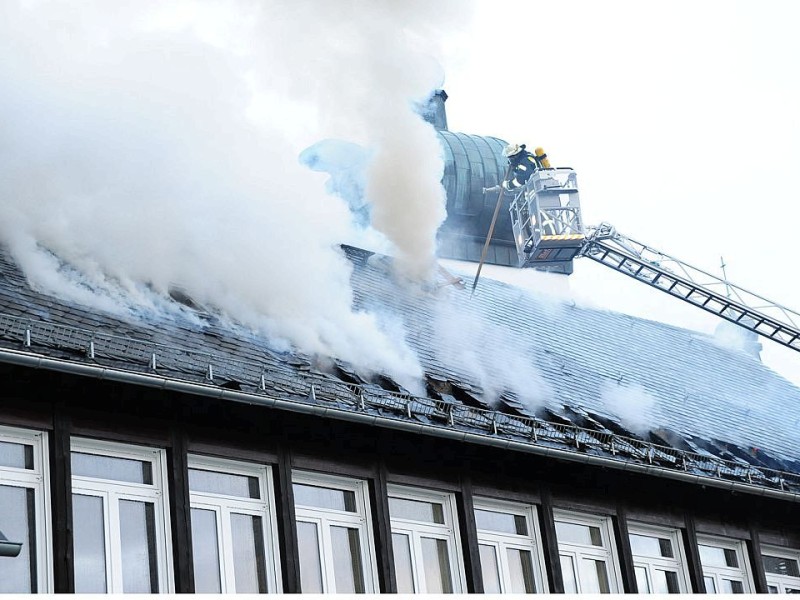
x=151, y=143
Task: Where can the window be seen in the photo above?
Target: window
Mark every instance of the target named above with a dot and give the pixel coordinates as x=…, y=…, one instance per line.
x=334, y=534
x=782, y=567
x=24, y=511
x=426, y=541
x=586, y=549
x=120, y=518
x=233, y=527
x=725, y=569
x=510, y=547
x=658, y=560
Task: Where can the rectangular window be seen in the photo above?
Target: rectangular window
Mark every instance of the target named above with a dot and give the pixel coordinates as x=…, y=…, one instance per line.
x=425, y=541
x=334, y=534
x=234, y=541
x=725, y=568
x=588, y=558
x=782, y=568
x=658, y=559
x=509, y=543
x=25, y=511
x=120, y=518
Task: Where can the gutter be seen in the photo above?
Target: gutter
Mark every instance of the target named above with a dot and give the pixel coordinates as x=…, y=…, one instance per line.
x=36, y=361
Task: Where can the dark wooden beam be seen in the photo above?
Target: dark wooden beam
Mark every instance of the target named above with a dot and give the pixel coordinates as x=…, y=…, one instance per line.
x=693, y=566
x=61, y=502
x=379, y=503
x=287, y=532
x=178, y=469
x=756, y=562
x=552, y=560
x=620, y=525
x=469, y=537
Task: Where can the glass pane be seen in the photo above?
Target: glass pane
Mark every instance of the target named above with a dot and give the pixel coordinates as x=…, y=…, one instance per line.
x=642, y=584
x=773, y=589
x=647, y=545
x=205, y=550
x=490, y=569
x=665, y=582
x=594, y=577
x=248, y=554
x=17, y=514
x=437, y=566
x=17, y=456
x=711, y=587
x=323, y=497
x=791, y=590
x=137, y=524
x=497, y=521
x=226, y=484
x=89, y=544
x=732, y=586
x=569, y=575
x=780, y=565
x=347, y=566
x=401, y=548
x=416, y=510
x=110, y=467
x=713, y=556
x=520, y=566
x=575, y=533
x=310, y=567
x=731, y=559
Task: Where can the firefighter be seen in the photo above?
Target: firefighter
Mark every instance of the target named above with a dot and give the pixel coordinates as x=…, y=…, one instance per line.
x=522, y=163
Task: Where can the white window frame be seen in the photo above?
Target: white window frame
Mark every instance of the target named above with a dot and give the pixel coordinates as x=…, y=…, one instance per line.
x=742, y=573
x=415, y=530
x=782, y=580
x=224, y=505
x=577, y=552
x=325, y=518
x=112, y=491
x=37, y=479
x=651, y=563
x=503, y=541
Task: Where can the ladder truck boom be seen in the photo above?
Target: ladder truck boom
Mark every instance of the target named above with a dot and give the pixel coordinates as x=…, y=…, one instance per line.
x=548, y=229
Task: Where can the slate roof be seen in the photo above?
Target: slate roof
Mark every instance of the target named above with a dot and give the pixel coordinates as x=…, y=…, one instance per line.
x=503, y=367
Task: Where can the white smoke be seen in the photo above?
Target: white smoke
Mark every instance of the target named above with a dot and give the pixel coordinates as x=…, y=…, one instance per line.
x=632, y=405
x=156, y=142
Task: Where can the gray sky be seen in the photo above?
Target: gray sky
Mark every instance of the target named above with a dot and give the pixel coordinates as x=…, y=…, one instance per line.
x=681, y=119
x=153, y=143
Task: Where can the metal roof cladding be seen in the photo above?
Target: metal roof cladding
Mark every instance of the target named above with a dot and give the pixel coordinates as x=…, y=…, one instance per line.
x=504, y=367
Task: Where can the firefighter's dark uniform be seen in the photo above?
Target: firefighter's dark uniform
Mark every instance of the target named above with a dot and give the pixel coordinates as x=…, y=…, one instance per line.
x=522, y=164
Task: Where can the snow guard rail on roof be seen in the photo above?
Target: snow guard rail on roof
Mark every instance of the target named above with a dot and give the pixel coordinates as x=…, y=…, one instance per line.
x=151, y=364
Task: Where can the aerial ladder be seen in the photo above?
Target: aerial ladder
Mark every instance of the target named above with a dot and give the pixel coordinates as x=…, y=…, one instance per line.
x=548, y=228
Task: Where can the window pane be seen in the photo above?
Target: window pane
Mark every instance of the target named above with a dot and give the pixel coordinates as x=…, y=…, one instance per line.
x=248, y=554
x=138, y=542
x=732, y=586
x=310, y=567
x=17, y=456
x=569, y=575
x=490, y=569
x=578, y=534
x=520, y=566
x=791, y=590
x=780, y=565
x=594, y=577
x=323, y=497
x=773, y=589
x=110, y=467
x=416, y=510
x=711, y=587
x=401, y=548
x=641, y=580
x=347, y=567
x=17, y=514
x=647, y=545
x=713, y=556
x=665, y=582
x=497, y=521
x=205, y=549
x=437, y=566
x=226, y=484
x=89, y=544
